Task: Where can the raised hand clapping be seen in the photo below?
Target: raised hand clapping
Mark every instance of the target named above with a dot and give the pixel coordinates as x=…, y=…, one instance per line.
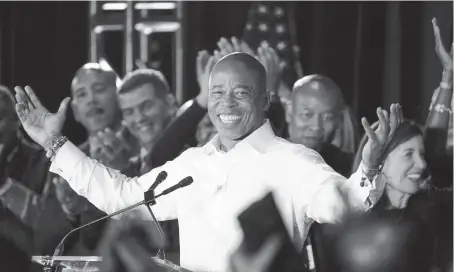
x=38, y=122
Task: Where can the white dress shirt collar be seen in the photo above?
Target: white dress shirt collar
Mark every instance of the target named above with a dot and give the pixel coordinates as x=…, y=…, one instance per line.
x=258, y=140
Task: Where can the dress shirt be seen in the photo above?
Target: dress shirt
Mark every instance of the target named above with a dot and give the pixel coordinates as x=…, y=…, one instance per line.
x=225, y=184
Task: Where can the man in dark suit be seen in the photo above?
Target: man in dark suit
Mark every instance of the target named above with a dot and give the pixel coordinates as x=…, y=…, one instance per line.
x=313, y=117
x=21, y=161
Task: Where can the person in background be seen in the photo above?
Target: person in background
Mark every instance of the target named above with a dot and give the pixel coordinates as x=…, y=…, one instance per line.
x=20, y=162
x=314, y=116
x=148, y=107
x=408, y=197
x=438, y=127
x=56, y=208
x=95, y=107
x=417, y=170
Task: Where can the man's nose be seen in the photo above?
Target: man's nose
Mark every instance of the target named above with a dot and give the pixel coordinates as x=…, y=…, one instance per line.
x=229, y=100
x=316, y=123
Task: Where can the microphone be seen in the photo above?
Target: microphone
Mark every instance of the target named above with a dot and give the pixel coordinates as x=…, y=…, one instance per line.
x=159, y=179
x=183, y=183
x=149, y=195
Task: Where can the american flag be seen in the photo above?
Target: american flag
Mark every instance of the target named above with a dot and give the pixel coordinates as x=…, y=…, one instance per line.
x=272, y=23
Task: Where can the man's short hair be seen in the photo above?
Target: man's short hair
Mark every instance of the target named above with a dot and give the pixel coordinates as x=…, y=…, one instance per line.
x=108, y=72
x=249, y=62
x=141, y=77
x=327, y=84
x=6, y=94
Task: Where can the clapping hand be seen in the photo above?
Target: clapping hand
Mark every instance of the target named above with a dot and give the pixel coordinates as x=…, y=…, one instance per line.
x=38, y=122
x=270, y=60
x=443, y=55
x=204, y=65
x=112, y=149
x=373, y=149
x=234, y=45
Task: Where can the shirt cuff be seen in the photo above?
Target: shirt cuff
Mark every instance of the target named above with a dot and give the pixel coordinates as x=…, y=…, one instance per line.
x=372, y=189
x=66, y=160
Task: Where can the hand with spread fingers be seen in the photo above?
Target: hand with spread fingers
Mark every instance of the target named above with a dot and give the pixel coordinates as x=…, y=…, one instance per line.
x=241, y=261
x=376, y=142
x=443, y=55
x=113, y=150
x=204, y=65
x=234, y=45
x=270, y=60
x=38, y=122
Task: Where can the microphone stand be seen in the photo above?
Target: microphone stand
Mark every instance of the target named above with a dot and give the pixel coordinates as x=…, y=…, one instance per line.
x=161, y=252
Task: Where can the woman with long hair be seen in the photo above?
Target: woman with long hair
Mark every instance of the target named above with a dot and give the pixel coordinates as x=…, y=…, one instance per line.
x=409, y=197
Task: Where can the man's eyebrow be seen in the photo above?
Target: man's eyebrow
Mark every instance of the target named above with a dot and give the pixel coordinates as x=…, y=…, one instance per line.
x=216, y=86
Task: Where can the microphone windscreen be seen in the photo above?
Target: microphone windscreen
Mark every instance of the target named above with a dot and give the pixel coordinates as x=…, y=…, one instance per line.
x=161, y=176
x=186, y=181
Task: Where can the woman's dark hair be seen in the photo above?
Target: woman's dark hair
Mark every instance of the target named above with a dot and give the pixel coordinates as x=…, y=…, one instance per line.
x=406, y=130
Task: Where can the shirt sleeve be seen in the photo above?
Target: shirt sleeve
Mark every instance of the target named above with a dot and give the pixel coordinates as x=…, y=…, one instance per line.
x=330, y=195
x=108, y=189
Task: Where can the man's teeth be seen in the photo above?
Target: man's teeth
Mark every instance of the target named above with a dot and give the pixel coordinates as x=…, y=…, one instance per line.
x=228, y=119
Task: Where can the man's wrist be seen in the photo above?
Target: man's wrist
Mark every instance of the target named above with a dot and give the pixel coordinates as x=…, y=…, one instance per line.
x=446, y=79
x=53, y=145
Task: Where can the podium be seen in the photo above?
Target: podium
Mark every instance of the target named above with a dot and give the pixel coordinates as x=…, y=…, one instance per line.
x=90, y=264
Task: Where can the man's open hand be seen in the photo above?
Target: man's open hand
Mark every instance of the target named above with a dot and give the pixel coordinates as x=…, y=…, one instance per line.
x=38, y=122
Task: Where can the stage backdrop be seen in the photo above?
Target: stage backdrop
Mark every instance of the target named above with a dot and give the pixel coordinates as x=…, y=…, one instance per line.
x=379, y=52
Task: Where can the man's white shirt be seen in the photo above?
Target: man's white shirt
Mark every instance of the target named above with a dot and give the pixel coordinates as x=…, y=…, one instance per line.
x=225, y=184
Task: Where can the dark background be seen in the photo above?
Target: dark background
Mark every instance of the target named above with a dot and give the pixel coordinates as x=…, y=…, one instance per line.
x=378, y=52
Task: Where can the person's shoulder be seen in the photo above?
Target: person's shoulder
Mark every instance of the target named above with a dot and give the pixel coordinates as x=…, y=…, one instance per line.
x=191, y=152
x=294, y=151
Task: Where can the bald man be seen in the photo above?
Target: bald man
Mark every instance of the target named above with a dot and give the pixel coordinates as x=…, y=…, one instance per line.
x=240, y=165
x=313, y=117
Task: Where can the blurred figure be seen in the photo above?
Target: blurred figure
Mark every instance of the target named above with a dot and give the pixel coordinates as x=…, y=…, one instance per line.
x=12, y=258
x=438, y=128
x=408, y=197
x=95, y=106
x=127, y=246
x=20, y=162
x=148, y=106
x=314, y=116
x=94, y=101
x=368, y=243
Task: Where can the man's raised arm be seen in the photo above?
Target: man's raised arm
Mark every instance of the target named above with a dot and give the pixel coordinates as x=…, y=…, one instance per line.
x=106, y=188
x=337, y=196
